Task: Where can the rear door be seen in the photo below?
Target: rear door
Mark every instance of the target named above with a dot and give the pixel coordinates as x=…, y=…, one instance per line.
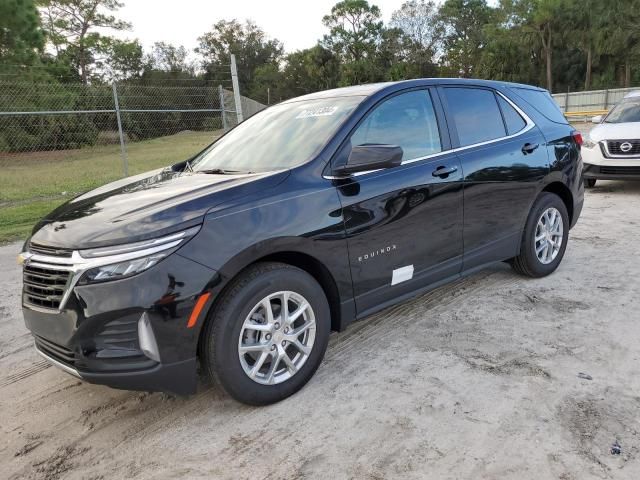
x=403, y=224
x=504, y=158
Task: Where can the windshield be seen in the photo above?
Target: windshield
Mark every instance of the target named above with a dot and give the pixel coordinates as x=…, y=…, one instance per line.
x=279, y=137
x=624, y=112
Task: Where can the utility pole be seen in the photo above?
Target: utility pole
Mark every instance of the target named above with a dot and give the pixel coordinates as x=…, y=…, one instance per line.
x=123, y=148
x=236, y=88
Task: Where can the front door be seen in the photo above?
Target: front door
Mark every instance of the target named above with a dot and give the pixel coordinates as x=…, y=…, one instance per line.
x=403, y=224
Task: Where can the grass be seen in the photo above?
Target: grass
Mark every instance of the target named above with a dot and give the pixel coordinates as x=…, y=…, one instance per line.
x=34, y=183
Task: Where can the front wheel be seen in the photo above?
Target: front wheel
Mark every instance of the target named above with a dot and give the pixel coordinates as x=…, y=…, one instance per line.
x=268, y=334
x=545, y=237
x=589, y=182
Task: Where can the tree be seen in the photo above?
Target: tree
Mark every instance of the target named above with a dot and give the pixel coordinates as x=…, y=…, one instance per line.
x=72, y=28
x=621, y=36
x=418, y=20
x=463, y=22
x=421, y=37
x=355, y=31
x=21, y=38
x=310, y=70
x=248, y=42
x=540, y=21
x=169, y=58
x=123, y=60
x=586, y=22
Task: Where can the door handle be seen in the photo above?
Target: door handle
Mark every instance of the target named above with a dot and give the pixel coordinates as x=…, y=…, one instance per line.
x=444, y=172
x=529, y=148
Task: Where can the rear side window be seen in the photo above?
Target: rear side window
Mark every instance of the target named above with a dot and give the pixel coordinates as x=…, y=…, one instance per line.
x=407, y=120
x=543, y=103
x=512, y=119
x=475, y=114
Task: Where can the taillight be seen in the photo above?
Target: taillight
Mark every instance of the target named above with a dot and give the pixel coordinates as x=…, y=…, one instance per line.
x=577, y=136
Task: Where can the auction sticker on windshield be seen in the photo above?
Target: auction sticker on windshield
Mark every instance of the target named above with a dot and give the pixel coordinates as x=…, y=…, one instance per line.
x=317, y=112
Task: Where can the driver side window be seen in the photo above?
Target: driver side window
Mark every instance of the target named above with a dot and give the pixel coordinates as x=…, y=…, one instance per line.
x=407, y=120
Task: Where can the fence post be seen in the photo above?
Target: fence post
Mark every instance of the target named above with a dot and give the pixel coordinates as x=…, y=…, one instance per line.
x=566, y=101
x=222, y=108
x=606, y=99
x=123, y=148
x=236, y=88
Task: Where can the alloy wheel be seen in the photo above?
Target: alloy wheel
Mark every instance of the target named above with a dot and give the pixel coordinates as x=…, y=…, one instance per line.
x=548, y=236
x=277, y=337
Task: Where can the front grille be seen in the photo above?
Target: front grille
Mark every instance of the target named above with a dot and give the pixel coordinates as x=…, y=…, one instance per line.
x=614, y=147
x=50, y=251
x=607, y=170
x=44, y=287
x=57, y=352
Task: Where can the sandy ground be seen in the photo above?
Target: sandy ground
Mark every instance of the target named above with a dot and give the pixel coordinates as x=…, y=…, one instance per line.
x=478, y=379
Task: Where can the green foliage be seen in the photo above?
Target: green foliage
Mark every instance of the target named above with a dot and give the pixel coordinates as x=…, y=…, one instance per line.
x=355, y=32
x=464, y=23
x=560, y=44
x=246, y=41
x=20, y=36
x=74, y=30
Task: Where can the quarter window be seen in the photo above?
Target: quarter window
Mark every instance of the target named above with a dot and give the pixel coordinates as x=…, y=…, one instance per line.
x=475, y=114
x=512, y=119
x=542, y=101
x=407, y=120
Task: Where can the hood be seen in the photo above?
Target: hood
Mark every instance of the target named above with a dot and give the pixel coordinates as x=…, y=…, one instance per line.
x=145, y=206
x=615, y=131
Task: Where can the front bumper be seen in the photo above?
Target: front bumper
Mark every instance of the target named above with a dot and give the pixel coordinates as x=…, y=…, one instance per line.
x=599, y=166
x=101, y=332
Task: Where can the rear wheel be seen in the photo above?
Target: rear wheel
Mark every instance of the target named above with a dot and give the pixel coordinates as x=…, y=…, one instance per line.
x=589, y=182
x=545, y=237
x=268, y=335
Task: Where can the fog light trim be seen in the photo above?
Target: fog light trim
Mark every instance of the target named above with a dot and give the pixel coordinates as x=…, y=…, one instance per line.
x=147, y=339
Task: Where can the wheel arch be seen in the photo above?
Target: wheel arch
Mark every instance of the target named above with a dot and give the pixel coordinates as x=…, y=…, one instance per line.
x=319, y=272
x=294, y=257
x=560, y=189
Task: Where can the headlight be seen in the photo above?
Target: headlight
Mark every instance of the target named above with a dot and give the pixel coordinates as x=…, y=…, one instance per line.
x=588, y=143
x=121, y=261
x=120, y=270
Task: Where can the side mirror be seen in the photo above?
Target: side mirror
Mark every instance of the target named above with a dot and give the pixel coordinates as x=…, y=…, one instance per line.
x=371, y=157
x=596, y=119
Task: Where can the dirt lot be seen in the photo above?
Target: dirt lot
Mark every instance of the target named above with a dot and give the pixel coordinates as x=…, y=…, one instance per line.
x=478, y=379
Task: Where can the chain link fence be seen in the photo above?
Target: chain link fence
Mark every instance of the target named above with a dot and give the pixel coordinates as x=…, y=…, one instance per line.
x=591, y=100
x=59, y=140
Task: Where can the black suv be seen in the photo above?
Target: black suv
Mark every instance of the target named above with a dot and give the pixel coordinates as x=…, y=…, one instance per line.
x=310, y=214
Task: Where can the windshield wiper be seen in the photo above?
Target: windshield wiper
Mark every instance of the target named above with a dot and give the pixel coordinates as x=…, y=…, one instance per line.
x=220, y=171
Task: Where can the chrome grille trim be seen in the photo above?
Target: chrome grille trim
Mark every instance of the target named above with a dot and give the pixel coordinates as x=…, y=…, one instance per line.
x=612, y=148
x=52, y=268
x=76, y=265
x=56, y=363
x=49, y=251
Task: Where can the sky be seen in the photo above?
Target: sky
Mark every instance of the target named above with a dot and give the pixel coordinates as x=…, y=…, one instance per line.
x=298, y=24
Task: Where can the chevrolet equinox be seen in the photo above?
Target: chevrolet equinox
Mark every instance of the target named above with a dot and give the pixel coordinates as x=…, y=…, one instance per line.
x=310, y=214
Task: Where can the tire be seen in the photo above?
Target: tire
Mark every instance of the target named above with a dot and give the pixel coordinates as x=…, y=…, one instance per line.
x=233, y=324
x=589, y=182
x=528, y=262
